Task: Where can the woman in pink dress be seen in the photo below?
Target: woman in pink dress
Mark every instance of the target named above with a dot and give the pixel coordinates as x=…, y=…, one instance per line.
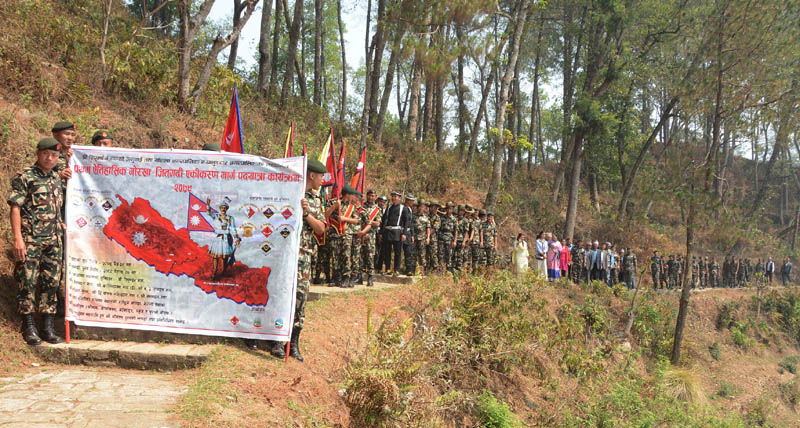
x=554, y=259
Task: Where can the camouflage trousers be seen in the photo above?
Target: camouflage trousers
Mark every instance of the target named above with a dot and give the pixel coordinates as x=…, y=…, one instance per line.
x=446, y=252
x=340, y=251
x=322, y=260
x=489, y=256
x=712, y=279
x=459, y=256
x=476, y=255
x=420, y=250
x=303, y=287
x=432, y=256
x=41, y=269
x=575, y=274
x=656, y=279
x=355, y=255
x=368, y=254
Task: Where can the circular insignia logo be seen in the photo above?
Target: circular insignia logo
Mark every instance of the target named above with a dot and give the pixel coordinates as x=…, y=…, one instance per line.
x=278, y=323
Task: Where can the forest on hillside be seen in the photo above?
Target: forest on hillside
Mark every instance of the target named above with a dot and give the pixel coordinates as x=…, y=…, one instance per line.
x=686, y=105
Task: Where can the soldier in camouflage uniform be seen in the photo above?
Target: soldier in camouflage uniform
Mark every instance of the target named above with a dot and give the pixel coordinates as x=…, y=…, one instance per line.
x=672, y=272
x=322, y=260
x=313, y=222
x=578, y=254
x=357, y=232
x=422, y=233
x=476, y=243
x=64, y=133
x=447, y=235
x=342, y=245
x=655, y=269
x=372, y=213
x=462, y=234
x=36, y=202
x=702, y=267
x=432, y=250
x=695, y=272
x=713, y=273
x=629, y=266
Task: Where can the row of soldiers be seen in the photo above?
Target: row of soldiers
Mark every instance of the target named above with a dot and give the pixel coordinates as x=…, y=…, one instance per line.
x=705, y=272
x=401, y=235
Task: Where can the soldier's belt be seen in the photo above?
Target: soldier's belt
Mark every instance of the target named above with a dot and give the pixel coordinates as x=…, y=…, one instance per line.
x=394, y=228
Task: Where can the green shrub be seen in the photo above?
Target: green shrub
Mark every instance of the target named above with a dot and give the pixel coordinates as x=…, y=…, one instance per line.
x=725, y=390
x=727, y=317
x=740, y=337
x=790, y=392
x=494, y=413
x=715, y=352
x=790, y=364
x=758, y=412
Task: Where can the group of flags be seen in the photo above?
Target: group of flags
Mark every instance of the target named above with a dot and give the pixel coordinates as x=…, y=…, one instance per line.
x=233, y=141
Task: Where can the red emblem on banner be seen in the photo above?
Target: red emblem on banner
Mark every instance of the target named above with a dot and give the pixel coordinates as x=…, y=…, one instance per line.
x=234, y=320
x=266, y=231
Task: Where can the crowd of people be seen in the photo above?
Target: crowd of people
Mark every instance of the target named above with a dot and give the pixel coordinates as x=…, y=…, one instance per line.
x=400, y=235
x=592, y=260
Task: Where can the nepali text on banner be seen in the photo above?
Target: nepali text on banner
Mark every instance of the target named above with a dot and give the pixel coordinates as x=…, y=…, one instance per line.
x=192, y=242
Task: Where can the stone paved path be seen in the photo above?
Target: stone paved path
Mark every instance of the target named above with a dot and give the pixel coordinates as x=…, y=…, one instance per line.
x=77, y=398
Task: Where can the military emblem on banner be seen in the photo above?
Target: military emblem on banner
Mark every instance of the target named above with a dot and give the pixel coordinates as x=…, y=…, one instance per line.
x=97, y=222
x=81, y=222
x=266, y=248
x=285, y=230
x=287, y=212
x=248, y=229
x=267, y=231
x=268, y=212
x=91, y=202
x=107, y=205
x=249, y=209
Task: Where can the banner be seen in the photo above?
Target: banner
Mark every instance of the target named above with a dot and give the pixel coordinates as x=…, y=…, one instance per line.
x=192, y=242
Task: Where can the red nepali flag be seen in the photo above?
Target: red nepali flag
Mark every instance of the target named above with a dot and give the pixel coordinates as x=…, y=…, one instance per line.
x=357, y=182
x=337, y=187
x=195, y=222
x=232, y=137
x=328, y=157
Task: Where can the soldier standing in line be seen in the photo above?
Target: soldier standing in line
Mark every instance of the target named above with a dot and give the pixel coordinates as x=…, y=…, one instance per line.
x=343, y=251
x=462, y=233
x=64, y=133
x=447, y=232
x=655, y=269
x=408, y=233
x=713, y=273
x=313, y=223
x=629, y=266
x=372, y=214
x=358, y=231
x=759, y=270
x=432, y=249
x=672, y=271
x=422, y=234
x=726, y=268
x=36, y=202
x=476, y=244
x=489, y=239
x=324, y=253
x=695, y=272
x=702, y=266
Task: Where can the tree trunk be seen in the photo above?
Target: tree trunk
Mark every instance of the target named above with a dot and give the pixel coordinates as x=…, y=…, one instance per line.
x=379, y=41
x=237, y=14
x=416, y=86
x=520, y=17
x=276, y=41
x=343, y=110
x=318, y=23
x=460, y=89
x=473, y=138
x=367, y=81
x=439, y=117
x=263, y=51
x=594, y=192
x=575, y=161
x=291, y=51
x=683, y=308
x=427, y=118
x=387, y=91
x=219, y=44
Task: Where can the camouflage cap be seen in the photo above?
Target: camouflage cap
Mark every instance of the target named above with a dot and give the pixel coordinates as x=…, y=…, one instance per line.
x=101, y=135
x=349, y=190
x=450, y=205
x=482, y=213
x=48, y=143
x=424, y=202
x=489, y=214
x=211, y=147
x=62, y=126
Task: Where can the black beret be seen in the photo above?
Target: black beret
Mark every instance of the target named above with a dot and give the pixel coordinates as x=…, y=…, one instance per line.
x=211, y=147
x=371, y=192
x=101, y=135
x=314, y=165
x=48, y=143
x=63, y=125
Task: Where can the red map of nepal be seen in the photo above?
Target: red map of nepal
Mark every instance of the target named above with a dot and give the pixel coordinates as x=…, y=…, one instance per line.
x=149, y=237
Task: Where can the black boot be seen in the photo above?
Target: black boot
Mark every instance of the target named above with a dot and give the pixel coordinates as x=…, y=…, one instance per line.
x=251, y=344
x=316, y=280
x=294, y=347
x=348, y=282
x=360, y=280
x=369, y=280
x=277, y=350
x=48, y=334
x=60, y=303
x=29, y=333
